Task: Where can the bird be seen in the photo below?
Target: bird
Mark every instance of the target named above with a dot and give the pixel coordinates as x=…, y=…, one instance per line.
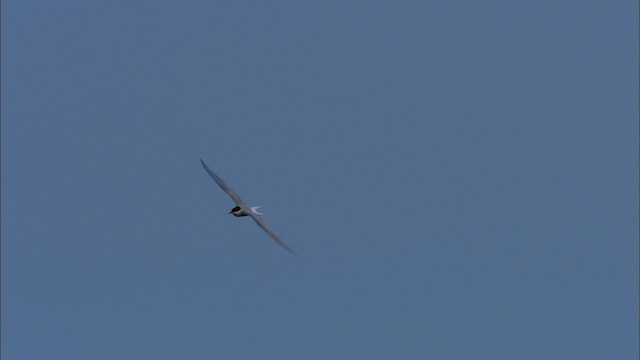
x=241, y=208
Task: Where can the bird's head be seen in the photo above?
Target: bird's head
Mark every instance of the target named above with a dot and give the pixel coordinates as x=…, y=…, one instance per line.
x=237, y=211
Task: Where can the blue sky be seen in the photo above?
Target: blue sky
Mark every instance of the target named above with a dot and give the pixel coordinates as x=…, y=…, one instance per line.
x=459, y=179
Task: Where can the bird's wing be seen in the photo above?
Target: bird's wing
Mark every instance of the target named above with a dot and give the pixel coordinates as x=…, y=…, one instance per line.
x=260, y=221
x=236, y=198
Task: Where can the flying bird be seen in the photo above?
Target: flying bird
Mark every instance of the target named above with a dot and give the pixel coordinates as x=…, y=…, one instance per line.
x=241, y=209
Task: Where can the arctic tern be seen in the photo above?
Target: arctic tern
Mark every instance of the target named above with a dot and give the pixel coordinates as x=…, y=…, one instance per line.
x=241, y=209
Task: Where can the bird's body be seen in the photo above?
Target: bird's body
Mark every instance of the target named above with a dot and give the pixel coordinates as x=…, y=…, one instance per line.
x=241, y=209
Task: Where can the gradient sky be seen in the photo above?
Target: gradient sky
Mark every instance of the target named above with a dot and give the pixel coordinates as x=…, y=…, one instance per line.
x=459, y=179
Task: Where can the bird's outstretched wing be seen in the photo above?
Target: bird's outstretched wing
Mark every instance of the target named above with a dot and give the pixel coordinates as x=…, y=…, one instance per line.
x=236, y=198
x=260, y=221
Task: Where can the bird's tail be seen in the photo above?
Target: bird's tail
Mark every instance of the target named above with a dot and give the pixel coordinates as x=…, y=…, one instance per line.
x=255, y=209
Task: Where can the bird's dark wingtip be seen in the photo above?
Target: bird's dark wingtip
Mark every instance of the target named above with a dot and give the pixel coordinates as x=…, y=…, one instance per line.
x=289, y=250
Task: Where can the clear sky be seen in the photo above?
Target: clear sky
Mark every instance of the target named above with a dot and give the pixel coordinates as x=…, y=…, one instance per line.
x=459, y=179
